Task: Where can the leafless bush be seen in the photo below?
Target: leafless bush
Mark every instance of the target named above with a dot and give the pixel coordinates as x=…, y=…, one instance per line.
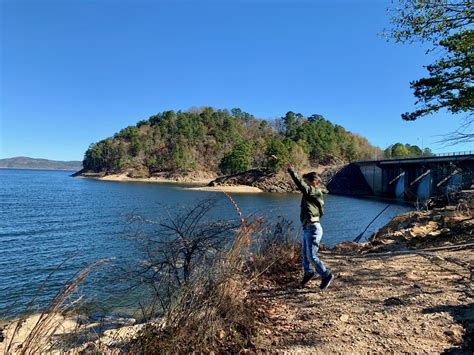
x=176, y=248
x=201, y=272
x=195, y=267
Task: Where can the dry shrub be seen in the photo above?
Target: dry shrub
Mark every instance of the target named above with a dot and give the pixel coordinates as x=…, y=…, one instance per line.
x=202, y=285
x=277, y=251
x=40, y=337
x=212, y=311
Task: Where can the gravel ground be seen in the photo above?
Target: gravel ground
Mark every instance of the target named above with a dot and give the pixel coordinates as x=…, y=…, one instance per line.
x=405, y=303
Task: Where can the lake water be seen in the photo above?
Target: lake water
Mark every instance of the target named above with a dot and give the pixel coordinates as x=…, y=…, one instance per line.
x=47, y=217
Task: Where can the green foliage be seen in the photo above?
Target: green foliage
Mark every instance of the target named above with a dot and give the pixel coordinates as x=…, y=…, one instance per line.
x=238, y=160
x=319, y=138
x=277, y=154
x=298, y=156
x=400, y=150
x=106, y=155
x=182, y=160
x=447, y=24
x=451, y=80
x=212, y=140
x=292, y=123
x=429, y=20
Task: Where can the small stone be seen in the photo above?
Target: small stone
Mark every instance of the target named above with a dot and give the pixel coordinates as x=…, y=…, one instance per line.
x=394, y=301
x=344, y=317
x=305, y=316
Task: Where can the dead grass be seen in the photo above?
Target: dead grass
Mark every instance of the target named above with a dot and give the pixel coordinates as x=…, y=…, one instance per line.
x=277, y=251
x=37, y=334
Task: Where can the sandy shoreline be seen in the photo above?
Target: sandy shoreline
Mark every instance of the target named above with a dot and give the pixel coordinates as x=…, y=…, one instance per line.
x=154, y=179
x=225, y=188
x=200, y=182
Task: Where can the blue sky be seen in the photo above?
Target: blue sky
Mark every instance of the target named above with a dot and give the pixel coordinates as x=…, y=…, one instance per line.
x=75, y=72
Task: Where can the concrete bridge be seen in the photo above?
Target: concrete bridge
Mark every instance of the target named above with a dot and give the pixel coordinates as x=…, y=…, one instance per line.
x=409, y=179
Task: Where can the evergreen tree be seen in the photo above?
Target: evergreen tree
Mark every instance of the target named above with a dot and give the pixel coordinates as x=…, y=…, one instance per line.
x=238, y=160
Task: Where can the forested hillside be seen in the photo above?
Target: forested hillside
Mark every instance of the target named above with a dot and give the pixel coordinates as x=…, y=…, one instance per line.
x=222, y=142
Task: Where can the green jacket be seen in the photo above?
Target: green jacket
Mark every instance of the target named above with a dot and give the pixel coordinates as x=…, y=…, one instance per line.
x=312, y=202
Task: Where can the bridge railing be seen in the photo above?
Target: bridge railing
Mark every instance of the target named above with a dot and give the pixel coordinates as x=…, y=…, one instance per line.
x=465, y=152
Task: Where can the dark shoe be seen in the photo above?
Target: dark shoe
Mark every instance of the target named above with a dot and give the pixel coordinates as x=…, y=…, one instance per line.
x=307, y=276
x=326, y=281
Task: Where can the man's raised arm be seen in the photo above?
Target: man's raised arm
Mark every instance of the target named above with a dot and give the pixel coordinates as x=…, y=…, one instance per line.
x=300, y=183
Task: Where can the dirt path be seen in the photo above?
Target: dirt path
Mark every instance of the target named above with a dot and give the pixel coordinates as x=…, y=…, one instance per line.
x=407, y=303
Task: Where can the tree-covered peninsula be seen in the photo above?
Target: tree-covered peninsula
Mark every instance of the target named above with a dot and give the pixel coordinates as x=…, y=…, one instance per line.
x=216, y=142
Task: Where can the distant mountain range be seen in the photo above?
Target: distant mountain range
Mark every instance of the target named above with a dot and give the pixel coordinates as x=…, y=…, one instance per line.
x=32, y=163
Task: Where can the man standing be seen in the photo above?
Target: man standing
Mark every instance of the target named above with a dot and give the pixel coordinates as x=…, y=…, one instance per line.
x=312, y=204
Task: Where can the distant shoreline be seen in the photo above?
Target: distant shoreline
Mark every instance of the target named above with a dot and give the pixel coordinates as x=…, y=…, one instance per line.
x=199, y=184
x=25, y=168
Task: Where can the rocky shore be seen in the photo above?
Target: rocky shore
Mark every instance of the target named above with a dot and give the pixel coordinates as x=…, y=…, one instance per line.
x=251, y=181
x=444, y=226
x=269, y=181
